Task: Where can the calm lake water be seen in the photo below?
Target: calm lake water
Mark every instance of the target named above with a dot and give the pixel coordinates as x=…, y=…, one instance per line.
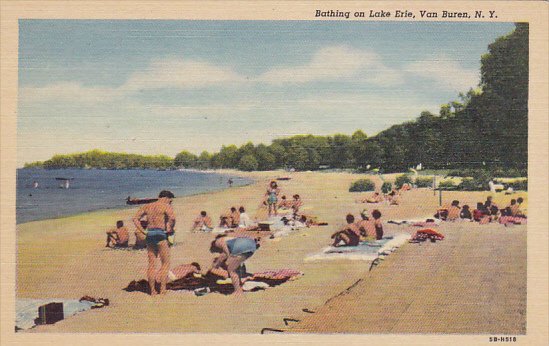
x=94, y=189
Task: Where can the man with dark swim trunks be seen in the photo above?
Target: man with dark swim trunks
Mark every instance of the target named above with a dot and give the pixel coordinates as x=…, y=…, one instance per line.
x=349, y=234
x=161, y=221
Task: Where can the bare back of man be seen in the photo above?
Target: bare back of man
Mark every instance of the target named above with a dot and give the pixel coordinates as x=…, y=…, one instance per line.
x=161, y=220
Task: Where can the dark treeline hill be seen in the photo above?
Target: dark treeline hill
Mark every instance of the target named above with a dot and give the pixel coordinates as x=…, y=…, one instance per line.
x=486, y=127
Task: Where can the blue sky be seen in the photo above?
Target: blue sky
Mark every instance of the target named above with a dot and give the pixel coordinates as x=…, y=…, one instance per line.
x=165, y=86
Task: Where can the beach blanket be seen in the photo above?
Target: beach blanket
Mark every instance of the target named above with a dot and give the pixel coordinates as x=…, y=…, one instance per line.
x=26, y=314
x=426, y=234
x=365, y=251
x=512, y=220
x=423, y=222
x=219, y=284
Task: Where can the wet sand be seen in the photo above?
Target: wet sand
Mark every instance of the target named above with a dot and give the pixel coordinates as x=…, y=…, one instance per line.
x=474, y=281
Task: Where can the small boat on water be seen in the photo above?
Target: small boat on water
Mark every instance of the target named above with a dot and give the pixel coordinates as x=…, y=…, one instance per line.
x=135, y=201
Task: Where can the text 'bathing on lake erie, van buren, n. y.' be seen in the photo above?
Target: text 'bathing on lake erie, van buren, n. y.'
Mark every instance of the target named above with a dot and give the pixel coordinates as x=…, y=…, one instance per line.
x=405, y=14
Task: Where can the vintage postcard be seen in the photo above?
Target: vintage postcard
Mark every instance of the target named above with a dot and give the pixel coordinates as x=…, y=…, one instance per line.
x=228, y=172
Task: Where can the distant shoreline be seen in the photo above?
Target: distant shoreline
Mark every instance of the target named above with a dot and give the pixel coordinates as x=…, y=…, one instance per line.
x=25, y=192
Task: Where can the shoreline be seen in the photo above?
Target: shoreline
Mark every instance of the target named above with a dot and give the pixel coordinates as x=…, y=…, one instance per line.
x=77, y=263
x=130, y=206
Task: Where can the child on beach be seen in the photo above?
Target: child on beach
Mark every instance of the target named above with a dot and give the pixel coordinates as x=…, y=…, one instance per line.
x=119, y=236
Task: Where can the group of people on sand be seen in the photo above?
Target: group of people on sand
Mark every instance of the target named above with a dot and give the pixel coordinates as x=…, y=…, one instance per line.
x=233, y=219
x=392, y=197
x=367, y=228
x=232, y=251
x=273, y=204
x=119, y=237
x=484, y=213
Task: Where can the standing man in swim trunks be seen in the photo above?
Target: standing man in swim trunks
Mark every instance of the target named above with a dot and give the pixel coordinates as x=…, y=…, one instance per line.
x=161, y=220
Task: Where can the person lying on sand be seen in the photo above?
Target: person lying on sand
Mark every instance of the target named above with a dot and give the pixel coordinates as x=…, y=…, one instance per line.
x=161, y=222
x=119, y=236
x=376, y=197
x=233, y=252
x=203, y=222
x=453, y=211
x=183, y=271
x=348, y=235
x=393, y=197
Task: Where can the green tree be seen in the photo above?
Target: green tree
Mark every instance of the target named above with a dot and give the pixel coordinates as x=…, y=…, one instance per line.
x=248, y=163
x=185, y=159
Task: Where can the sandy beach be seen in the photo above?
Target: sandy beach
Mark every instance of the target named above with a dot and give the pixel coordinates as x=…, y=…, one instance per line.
x=472, y=282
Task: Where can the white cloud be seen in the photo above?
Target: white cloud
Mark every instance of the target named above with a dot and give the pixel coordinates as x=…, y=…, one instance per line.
x=335, y=63
x=181, y=74
x=68, y=91
x=446, y=73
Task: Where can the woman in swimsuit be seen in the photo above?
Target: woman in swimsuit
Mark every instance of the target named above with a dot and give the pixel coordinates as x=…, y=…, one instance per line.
x=272, y=197
x=233, y=253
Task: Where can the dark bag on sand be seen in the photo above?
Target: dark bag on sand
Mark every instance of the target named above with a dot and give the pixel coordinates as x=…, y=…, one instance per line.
x=50, y=313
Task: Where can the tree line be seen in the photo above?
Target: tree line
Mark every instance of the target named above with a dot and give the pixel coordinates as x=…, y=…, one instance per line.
x=486, y=127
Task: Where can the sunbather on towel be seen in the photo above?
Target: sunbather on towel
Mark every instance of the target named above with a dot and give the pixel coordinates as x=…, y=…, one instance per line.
x=203, y=222
x=183, y=271
x=453, y=211
x=376, y=214
x=246, y=223
x=366, y=226
x=514, y=208
x=349, y=234
x=481, y=214
x=393, y=197
x=233, y=252
x=119, y=236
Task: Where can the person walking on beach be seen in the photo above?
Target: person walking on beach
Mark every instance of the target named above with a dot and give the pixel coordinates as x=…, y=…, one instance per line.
x=161, y=220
